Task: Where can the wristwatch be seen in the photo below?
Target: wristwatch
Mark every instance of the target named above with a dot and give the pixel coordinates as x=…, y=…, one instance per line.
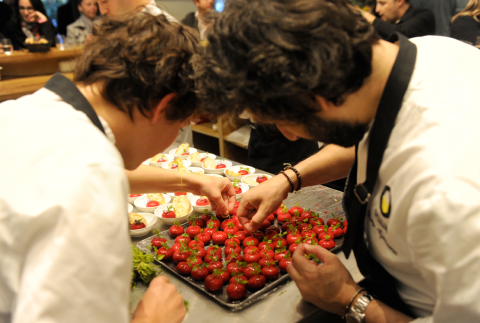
x=356, y=313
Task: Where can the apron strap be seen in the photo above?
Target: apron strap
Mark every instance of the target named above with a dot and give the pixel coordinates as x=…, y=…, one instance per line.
x=67, y=90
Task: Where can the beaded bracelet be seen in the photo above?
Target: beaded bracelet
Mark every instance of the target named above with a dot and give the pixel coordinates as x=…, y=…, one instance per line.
x=289, y=166
x=291, y=183
x=353, y=298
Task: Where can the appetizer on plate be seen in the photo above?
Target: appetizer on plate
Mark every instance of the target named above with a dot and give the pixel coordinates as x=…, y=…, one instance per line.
x=195, y=157
x=136, y=221
x=181, y=205
x=160, y=158
x=183, y=149
x=209, y=163
x=176, y=164
x=155, y=197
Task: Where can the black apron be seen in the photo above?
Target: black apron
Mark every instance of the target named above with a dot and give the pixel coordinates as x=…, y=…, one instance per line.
x=378, y=281
x=67, y=90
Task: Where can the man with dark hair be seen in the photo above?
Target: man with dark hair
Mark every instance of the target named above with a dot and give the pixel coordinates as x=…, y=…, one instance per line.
x=443, y=10
x=400, y=16
x=64, y=241
x=318, y=70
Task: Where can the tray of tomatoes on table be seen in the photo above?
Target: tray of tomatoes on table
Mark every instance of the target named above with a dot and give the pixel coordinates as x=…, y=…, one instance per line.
x=216, y=256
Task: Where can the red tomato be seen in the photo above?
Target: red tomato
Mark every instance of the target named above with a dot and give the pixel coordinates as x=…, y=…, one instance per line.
x=265, y=262
x=238, y=278
x=344, y=223
x=284, y=263
x=250, y=241
x=307, y=214
x=267, y=254
x=135, y=195
x=252, y=270
x=194, y=243
x=283, y=216
x=212, y=258
x=236, y=291
x=216, y=223
x=183, y=238
x=251, y=249
x=304, y=226
x=243, y=172
x=220, y=165
x=213, y=283
x=230, y=229
x=137, y=225
x=214, y=265
x=242, y=235
x=232, y=249
x=184, y=268
x=157, y=241
x=210, y=231
x=251, y=257
x=179, y=256
x=292, y=238
x=193, y=231
x=261, y=179
x=225, y=275
x=237, y=190
x=297, y=208
x=293, y=247
x=214, y=250
x=219, y=237
x=280, y=255
x=332, y=221
x=204, y=237
x=256, y=282
x=271, y=217
x=166, y=252
x=180, y=193
x=152, y=203
x=199, y=252
x=327, y=244
x=199, y=273
x=316, y=222
x=265, y=225
x=176, y=230
x=232, y=241
x=193, y=260
x=202, y=201
x=234, y=257
x=270, y=272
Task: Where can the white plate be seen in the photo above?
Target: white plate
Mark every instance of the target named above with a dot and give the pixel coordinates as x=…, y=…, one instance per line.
x=129, y=207
x=141, y=203
x=215, y=175
x=131, y=200
x=174, y=196
x=159, y=164
x=186, y=163
x=202, y=155
x=195, y=169
x=171, y=221
x=217, y=171
x=254, y=177
x=244, y=188
x=151, y=221
x=193, y=200
x=236, y=169
x=191, y=150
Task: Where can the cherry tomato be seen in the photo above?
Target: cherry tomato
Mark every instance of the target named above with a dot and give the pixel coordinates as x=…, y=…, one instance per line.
x=220, y=166
x=256, y=282
x=219, y=237
x=250, y=241
x=152, y=203
x=180, y=193
x=243, y=172
x=137, y=225
x=261, y=179
x=204, y=237
x=157, y=241
x=193, y=231
x=214, y=265
x=252, y=270
x=236, y=291
x=251, y=257
x=166, y=252
x=184, y=238
x=213, y=283
x=237, y=190
x=179, y=256
x=184, y=268
x=284, y=263
x=234, y=257
x=134, y=195
x=232, y=249
x=199, y=273
x=327, y=244
x=176, y=230
x=202, y=201
x=270, y=272
x=297, y=208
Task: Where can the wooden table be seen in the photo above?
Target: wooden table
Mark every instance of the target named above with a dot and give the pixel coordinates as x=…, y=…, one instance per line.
x=23, y=63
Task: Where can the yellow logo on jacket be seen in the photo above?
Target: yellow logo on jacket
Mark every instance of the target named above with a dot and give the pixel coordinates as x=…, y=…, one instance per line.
x=386, y=202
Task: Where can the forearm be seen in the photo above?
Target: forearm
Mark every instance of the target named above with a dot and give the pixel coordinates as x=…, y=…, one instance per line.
x=148, y=179
x=331, y=163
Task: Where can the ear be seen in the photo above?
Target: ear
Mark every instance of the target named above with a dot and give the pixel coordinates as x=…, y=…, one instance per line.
x=161, y=106
x=324, y=104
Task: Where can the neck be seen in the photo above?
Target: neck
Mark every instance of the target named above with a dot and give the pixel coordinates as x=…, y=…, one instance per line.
x=126, y=136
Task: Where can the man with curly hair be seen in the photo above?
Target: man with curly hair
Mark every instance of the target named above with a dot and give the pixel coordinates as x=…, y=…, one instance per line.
x=400, y=115
x=64, y=237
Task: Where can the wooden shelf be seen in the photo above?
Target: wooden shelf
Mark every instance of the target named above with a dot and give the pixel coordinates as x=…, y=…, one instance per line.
x=205, y=128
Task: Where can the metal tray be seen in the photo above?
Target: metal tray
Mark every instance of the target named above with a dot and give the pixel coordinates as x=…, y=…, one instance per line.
x=252, y=297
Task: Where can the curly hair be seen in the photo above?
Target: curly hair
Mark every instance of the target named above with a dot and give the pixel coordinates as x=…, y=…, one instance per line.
x=139, y=61
x=274, y=56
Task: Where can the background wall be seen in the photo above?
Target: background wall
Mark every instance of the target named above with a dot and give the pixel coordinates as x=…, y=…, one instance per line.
x=177, y=8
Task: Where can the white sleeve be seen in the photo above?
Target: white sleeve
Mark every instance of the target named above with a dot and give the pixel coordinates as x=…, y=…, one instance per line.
x=76, y=264
x=444, y=238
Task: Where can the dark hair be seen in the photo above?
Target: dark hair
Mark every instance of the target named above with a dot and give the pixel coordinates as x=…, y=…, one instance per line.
x=273, y=56
x=140, y=60
x=36, y=4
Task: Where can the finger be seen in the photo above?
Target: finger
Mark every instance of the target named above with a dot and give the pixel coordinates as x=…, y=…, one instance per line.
x=300, y=263
x=293, y=272
x=259, y=217
x=321, y=253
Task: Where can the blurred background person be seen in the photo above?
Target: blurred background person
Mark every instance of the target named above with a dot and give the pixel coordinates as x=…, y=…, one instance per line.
x=29, y=21
x=78, y=31
x=443, y=10
x=5, y=15
x=466, y=24
x=66, y=15
x=199, y=19
x=400, y=16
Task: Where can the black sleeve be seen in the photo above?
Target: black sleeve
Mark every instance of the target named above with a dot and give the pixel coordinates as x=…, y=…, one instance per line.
x=465, y=29
x=423, y=23
x=48, y=31
x=15, y=34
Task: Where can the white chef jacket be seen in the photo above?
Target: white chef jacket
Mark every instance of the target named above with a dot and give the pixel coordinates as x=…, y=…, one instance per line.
x=64, y=238
x=423, y=223
x=151, y=8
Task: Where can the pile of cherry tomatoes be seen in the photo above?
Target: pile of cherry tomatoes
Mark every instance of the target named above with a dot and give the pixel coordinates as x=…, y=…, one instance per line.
x=217, y=250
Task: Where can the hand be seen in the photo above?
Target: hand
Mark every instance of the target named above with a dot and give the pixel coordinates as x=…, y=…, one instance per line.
x=37, y=16
x=329, y=285
x=258, y=203
x=219, y=192
x=160, y=304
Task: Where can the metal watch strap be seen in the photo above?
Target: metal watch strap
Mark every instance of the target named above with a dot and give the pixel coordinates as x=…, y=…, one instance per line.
x=357, y=311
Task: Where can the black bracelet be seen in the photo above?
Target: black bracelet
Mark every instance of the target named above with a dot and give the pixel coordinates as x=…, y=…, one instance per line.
x=288, y=166
x=291, y=183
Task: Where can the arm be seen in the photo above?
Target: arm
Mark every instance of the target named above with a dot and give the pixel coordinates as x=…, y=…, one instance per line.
x=331, y=163
x=330, y=286
x=48, y=31
x=421, y=24
x=148, y=179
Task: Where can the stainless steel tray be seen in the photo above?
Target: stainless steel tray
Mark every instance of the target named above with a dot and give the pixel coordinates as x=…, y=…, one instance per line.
x=308, y=198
